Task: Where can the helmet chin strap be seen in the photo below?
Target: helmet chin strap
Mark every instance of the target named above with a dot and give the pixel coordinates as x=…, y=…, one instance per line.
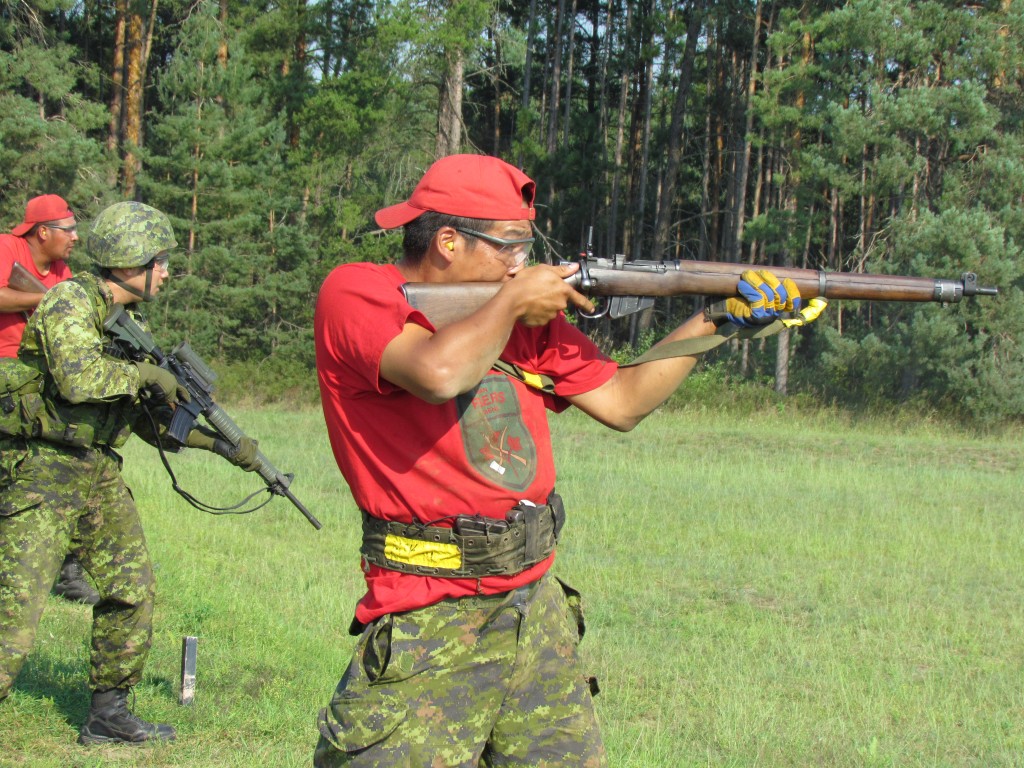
x=145, y=294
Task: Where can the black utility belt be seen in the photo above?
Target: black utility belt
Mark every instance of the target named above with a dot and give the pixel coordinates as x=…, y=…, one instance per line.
x=474, y=545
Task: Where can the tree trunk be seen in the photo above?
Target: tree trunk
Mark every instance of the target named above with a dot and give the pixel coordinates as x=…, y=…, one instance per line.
x=131, y=130
x=674, y=151
x=115, y=135
x=197, y=151
x=449, y=108
x=704, y=249
x=528, y=66
x=617, y=161
x=531, y=36
x=496, y=82
x=620, y=132
x=716, y=144
x=138, y=42
x=782, y=362
x=222, y=47
x=567, y=119
x=755, y=206
x=299, y=69
x=640, y=177
x=744, y=163
x=556, y=80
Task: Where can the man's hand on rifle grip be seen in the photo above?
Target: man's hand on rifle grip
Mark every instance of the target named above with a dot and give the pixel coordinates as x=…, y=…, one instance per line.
x=545, y=293
x=161, y=383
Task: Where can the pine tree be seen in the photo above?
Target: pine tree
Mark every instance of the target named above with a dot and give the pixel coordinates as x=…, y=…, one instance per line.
x=49, y=132
x=901, y=132
x=215, y=162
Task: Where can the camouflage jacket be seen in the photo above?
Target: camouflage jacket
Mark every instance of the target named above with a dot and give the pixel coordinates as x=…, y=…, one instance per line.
x=85, y=385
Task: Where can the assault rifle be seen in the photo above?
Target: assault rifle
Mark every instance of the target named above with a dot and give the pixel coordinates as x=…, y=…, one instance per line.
x=192, y=373
x=632, y=285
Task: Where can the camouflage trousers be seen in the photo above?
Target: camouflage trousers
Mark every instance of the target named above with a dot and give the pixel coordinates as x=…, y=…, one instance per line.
x=489, y=681
x=62, y=499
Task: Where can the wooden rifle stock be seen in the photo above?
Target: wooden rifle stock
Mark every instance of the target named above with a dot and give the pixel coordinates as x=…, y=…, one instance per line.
x=445, y=303
x=23, y=280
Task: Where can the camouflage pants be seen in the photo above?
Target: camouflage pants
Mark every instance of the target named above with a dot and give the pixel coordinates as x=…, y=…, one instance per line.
x=69, y=499
x=489, y=681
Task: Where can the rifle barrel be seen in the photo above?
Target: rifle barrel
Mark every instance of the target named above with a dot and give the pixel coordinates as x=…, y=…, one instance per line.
x=712, y=278
x=276, y=480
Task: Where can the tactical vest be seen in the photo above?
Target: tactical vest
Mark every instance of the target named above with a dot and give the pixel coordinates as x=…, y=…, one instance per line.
x=31, y=405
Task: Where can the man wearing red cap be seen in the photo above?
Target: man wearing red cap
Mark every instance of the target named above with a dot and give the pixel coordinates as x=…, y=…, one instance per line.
x=467, y=642
x=41, y=243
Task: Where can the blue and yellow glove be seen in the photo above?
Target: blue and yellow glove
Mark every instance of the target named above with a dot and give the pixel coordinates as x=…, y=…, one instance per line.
x=762, y=298
x=806, y=314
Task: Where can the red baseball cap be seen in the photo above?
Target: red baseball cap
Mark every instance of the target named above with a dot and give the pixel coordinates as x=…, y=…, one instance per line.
x=42, y=209
x=474, y=186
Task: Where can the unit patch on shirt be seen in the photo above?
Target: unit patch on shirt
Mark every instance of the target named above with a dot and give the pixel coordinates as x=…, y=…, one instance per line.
x=496, y=440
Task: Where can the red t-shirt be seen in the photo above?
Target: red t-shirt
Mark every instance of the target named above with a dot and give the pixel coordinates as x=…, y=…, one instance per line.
x=405, y=459
x=12, y=324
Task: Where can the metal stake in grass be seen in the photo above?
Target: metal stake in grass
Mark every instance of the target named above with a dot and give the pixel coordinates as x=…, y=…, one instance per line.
x=189, y=647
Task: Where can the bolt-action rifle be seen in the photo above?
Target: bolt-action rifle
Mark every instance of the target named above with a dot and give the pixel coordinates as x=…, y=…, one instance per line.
x=192, y=373
x=631, y=286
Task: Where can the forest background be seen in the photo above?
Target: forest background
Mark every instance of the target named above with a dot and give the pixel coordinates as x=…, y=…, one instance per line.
x=871, y=135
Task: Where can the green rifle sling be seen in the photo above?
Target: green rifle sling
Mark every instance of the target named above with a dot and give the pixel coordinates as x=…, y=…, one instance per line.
x=701, y=344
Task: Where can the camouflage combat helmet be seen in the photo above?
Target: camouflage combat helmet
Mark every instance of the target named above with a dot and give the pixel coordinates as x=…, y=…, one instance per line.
x=129, y=234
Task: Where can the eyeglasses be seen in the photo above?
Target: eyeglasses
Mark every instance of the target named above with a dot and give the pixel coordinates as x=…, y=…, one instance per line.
x=518, y=249
x=69, y=228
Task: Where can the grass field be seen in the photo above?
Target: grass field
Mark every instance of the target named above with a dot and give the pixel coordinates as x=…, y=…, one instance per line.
x=779, y=590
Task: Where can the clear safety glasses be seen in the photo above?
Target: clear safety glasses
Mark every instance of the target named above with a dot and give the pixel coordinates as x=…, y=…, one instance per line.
x=511, y=251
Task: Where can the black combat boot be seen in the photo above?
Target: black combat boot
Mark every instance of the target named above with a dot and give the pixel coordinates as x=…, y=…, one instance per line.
x=71, y=584
x=110, y=722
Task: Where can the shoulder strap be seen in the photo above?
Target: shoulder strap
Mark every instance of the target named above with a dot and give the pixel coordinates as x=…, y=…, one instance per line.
x=680, y=348
x=535, y=380
x=701, y=344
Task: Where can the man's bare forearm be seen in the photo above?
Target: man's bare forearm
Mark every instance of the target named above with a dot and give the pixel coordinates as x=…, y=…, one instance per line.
x=634, y=392
x=18, y=301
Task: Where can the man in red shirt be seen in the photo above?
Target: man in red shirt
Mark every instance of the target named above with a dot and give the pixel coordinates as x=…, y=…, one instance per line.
x=467, y=642
x=41, y=243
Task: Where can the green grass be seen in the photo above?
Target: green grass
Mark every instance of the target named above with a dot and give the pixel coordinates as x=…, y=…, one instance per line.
x=761, y=590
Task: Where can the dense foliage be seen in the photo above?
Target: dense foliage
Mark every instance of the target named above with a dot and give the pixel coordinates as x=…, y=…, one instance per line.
x=876, y=135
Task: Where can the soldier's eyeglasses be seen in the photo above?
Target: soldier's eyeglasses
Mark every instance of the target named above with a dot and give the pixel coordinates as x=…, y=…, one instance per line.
x=515, y=250
x=160, y=262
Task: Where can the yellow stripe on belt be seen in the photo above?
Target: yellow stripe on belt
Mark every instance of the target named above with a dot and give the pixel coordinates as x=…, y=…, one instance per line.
x=431, y=554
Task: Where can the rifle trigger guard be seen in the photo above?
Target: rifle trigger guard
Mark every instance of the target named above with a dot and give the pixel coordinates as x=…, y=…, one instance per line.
x=593, y=315
x=586, y=286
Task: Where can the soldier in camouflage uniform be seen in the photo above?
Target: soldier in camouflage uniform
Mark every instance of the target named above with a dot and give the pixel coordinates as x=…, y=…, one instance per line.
x=65, y=492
